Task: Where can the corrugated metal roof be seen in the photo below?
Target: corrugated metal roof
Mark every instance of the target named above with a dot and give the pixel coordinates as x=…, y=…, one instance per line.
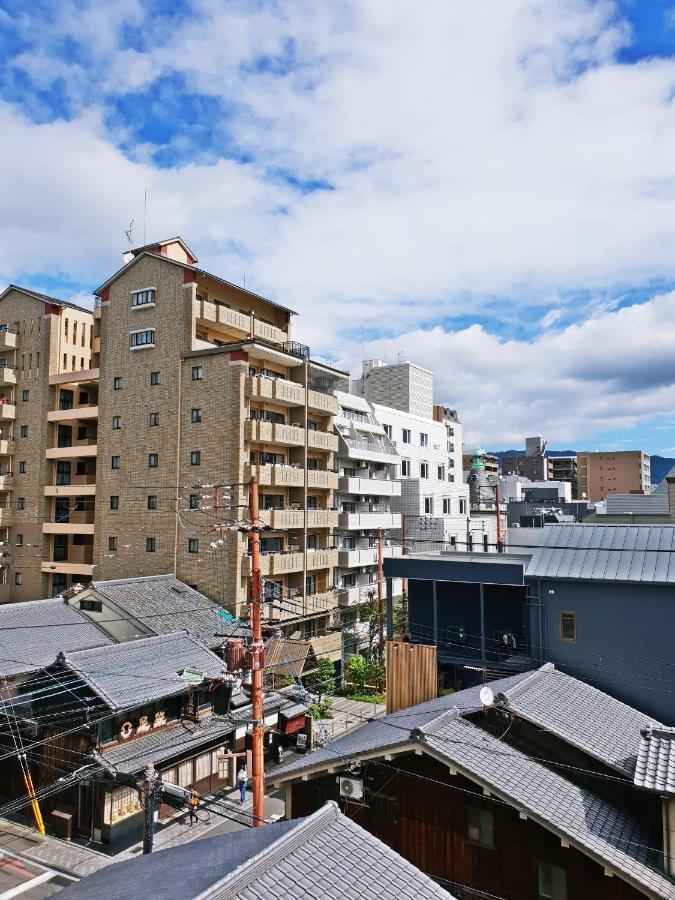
x=655, y=767
x=632, y=553
x=655, y=504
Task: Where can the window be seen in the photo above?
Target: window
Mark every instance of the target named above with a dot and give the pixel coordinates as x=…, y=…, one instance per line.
x=117, y=423
x=388, y=430
x=424, y=470
x=193, y=545
x=79, y=540
x=154, y=418
x=428, y=506
x=194, y=501
x=112, y=544
x=441, y=473
x=196, y=414
x=63, y=472
x=74, y=332
x=117, y=383
x=405, y=468
x=22, y=467
x=150, y=545
x=24, y=395
x=479, y=826
x=20, y=502
x=18, y=577
x=152, y=501
x=65, y=328
x=143, y=298
x=195, y=457
x=90, y=605
x=153, y=460
x=82, y=433
x=568, y=627
x=447, y=506
x=197, y=373
x=19, y=540
x=142, y=338
x=154, y=378
x=552, y=882
x=114, y=501
x=424, y=439
x=114, y=462
x=462, y=507
x=406, y=435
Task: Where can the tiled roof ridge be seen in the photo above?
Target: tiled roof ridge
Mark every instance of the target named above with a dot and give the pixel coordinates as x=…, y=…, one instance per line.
x=433, y=726
x=656, y=728
x=526, y=683
x=97, y=584
x=155, y=638
x=274, y=853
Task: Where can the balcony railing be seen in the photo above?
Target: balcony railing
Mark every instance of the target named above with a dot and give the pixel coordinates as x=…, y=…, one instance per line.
x=274, y=433
x=279, y=390
x=322, y=440
x=296, y=349
x=276, y=474
x=370, y=447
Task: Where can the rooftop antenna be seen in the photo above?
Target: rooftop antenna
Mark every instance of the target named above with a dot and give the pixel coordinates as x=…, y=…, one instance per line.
x=130, y=231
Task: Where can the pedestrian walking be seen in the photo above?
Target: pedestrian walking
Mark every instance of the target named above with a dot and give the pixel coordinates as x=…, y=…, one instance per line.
x=193, y=803
x=242, y=778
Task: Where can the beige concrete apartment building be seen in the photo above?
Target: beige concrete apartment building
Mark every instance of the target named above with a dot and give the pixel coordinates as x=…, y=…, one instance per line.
x=145, y=420
x=614, y=472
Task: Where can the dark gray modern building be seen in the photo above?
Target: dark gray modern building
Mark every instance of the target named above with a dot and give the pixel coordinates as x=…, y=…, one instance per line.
x=596, y=600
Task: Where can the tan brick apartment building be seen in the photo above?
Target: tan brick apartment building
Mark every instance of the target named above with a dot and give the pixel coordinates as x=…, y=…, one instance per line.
x=187, y=383
x=614, y=472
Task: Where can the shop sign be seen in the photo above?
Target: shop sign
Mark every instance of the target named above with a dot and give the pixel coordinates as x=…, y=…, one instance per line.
x=143, y=724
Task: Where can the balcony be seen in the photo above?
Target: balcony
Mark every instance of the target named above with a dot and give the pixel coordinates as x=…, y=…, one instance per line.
x=378, y=487
x=71, y=527
x=327, y=404
x=7, y=412
x=369, y=520
x=6, y=515
x=374, y=451
x=96, y=344
x=77, y=450
x=273, y=433
x=7, y=375
x=74, y=376
x=367, y=556
x=276, y=475
x=268, y=332
x=6, y=481
x=302, y=606
x=354, y=596
x=75, y=489
x=7, y=447
x=322, y=440
x=322, y=518
x=87, y=411
x=8, y=340
x=322, y=478
x=281, y=519
x=67, y=568
x=275, y=563
x=322, y=559
x=218, y=313
x=278, y=390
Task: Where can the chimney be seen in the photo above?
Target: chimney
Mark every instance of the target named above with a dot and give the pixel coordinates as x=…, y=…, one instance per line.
x=670, y=481
x=234, y=654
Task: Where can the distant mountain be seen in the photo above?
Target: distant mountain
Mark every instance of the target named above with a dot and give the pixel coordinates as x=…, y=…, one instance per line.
x=661, y=465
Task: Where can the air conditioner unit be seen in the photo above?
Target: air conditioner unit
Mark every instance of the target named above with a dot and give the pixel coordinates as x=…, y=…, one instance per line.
x=351, y=788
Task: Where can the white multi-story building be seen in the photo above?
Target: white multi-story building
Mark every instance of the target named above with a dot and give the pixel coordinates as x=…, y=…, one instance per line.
x=402, y=385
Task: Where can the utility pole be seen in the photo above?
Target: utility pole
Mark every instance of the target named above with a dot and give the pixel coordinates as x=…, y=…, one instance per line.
x=499, y=519
x=380, y=602
x=149, y=790
x=257, y=660
x=404, y=585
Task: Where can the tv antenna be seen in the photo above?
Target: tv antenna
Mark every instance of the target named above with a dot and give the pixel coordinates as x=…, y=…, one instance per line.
x=129, y=232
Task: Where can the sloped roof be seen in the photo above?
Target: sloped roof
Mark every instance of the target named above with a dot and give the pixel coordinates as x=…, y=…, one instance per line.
x=322, y=855
x=165, y=605
x=655, y=504
x=45, y=298
x=32, y=633
x=285, y=656
x=137, y=672
x=655, y=769
x=630, y=553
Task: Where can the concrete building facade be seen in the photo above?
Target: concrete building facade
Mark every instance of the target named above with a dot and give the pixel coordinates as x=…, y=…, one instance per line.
x=613, y=472
x=403, y=386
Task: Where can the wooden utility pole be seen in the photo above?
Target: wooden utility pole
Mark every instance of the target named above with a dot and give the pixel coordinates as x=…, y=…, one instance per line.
x=499, y=519
x=380, y=601
x=149, y=795
x=404, y=584
x=257, y=660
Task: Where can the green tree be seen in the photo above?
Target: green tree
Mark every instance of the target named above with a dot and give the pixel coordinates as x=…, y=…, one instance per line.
x=322, y=682
x=356, y=674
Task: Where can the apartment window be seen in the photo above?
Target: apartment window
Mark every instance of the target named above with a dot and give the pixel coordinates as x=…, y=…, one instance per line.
x=552, y=882
x=24, y=431
x=21, y=503
x=117, y=423
x=193, y=545
x=74, y=332
x=479, y=827
x=65, y=328
x=428, y=506
x=81, y=467
x=142, y=338
x=424, y=439
x=441, y=473
x=22, y=467
x=154, y=378
x=388, y=430
x=19, y=540
x=406, y=435
x=112, y=544
x=405, y=468
x=154, y=418
x=150, y=545
x=568, y=627
x=114, y=501
x=152, y=501
x=79, y=540
x=196, y=414
x=24, y=395
x=143, y=298
x=195, y=457
x=194, y=501
x=424, y=470
x=197, y=373
x=82, y=433
x=63, y=472
x=447, y=506
x=153, y=460
x=117, y=383
x=114, y=462
x=18, y=577
x=462, y=507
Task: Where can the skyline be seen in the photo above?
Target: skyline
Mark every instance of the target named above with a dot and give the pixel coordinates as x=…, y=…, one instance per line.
x=515, y=237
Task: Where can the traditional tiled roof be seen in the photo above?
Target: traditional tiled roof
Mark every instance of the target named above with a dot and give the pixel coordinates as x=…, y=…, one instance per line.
x=32, y=633
x=164, y=605
x=323, y=855
x=137, y=672
x=655, y=769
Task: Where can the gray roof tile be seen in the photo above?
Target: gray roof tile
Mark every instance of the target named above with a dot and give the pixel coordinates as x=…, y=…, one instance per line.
x=655, y=769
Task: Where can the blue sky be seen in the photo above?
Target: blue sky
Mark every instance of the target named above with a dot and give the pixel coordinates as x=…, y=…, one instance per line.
x=489, y=190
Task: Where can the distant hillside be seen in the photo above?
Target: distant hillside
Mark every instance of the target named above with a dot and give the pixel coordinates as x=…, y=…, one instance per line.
x=661, y=465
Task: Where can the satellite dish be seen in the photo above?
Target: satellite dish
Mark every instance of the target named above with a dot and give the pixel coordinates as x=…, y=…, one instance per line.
x=486, y=696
